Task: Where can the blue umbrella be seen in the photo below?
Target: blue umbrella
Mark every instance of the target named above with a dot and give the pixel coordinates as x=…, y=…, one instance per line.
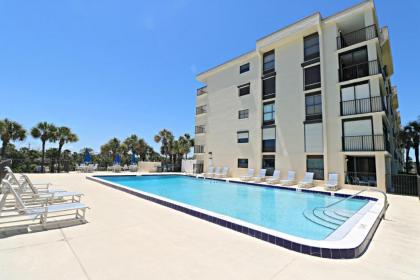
x=133, y=159
x=87, y=158
x=117, y=159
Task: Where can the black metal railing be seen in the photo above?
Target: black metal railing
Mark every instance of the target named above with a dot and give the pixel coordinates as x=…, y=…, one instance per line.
x=357, y=36
x=365, y=143
x=201, y=110
x=404, y=184
x=362, y=105
x=200, y=129
x=360, y=178
x=202, y=90
x=359, y=70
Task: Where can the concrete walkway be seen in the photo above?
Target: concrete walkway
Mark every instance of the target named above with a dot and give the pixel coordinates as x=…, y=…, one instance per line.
x=130, y=238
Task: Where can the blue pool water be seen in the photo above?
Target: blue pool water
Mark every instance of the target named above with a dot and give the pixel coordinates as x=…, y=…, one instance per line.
x=276, y=209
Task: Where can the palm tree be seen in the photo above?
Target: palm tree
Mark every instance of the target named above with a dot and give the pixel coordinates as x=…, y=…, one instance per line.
x=10, y=131
x=63, y=135
x=415, y=127
x=141, y=149
x=111, y=148
x=166, y=138
x=131, y=142
x=46, y=132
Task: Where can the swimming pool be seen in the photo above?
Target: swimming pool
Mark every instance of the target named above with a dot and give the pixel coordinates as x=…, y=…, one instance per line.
x=300, y=214
x=307, y=221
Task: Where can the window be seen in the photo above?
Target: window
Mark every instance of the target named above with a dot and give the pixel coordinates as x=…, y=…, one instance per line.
x=313, y=105
x=199, y=149
x=200, y=110
x=268, y=113
x=354, y=57
x=269, y=87
x=244, y=68
x=358, y=135
x=242, y=163
x=268, y=62
x=243, y=136
x=359, y=127
x=243, y=114
x=200, y=129
x=311, y=47
x=312, y=77
x=269, y=139
x=268, y=162
x=315, y=164
x=314, y=138
x=244, y=89
x=355, y=64
x=356, y=99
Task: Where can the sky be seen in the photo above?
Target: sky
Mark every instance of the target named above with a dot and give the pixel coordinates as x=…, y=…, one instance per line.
x=108, y=68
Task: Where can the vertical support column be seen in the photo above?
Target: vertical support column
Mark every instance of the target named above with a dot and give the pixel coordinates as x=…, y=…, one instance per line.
x=324, y=99
x=380, y=171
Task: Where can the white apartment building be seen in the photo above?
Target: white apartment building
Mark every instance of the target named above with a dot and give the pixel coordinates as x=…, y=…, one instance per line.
x=314, y=96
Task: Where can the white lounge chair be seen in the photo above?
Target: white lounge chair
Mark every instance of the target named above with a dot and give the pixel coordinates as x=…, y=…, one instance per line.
x=24, y=184
x=332, y=183
x=291, y=179
x=216, y=172
x=248, y=176
x=275, y=178
x=261, y=176
x=41, y=213
x=308, y=180
x=210, y=172
x=223, y=173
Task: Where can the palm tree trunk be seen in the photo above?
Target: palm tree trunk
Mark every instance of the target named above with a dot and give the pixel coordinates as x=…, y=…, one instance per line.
x=43, y=157
x=416, y=153
x=407, y=156
x=59, y=157
x=3, y=149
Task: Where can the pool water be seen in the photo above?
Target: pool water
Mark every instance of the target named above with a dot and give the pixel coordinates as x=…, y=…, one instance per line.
x=277, y=209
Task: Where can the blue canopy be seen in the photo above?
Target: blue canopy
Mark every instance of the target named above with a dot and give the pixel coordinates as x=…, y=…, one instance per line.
x=133, y=159
x=87, y=159
x=117, y=159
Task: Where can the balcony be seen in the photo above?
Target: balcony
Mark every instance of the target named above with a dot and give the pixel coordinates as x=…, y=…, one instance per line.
x=362, y=106
x=359, y=70
x=357, y=36
x=364, y=143
x=201, y=91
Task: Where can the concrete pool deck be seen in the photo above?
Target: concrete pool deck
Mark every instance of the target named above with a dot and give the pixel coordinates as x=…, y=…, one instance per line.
x=130, y=238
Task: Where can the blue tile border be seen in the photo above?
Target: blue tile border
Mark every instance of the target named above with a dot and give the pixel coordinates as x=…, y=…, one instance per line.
x=275, y=240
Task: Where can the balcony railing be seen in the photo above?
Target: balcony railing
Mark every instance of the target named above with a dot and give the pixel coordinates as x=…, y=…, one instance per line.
x=365, y=143
x=359, y=70
x=201, y=91
x=357, y=36
x=200, y=129
x=360, y=178
x=201, y=110
x=363, y=105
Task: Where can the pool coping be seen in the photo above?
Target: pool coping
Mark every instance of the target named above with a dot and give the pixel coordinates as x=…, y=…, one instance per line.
x=353, y=245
